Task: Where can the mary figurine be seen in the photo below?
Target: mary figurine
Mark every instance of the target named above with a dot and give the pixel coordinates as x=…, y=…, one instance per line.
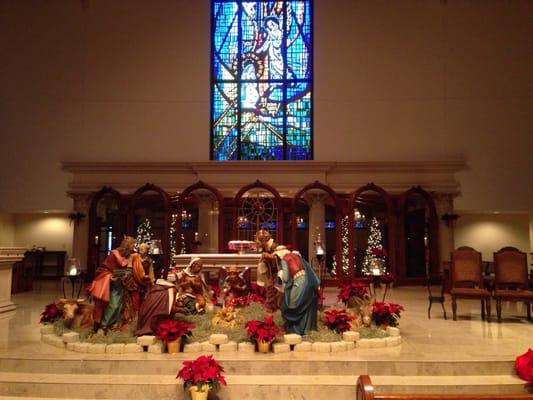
x=300, y=301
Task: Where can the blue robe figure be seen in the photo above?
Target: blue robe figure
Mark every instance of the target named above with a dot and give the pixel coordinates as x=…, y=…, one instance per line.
x=300, y=300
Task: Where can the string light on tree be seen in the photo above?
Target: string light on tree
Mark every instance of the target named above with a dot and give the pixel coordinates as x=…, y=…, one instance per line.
x=172, y=234
x=144, y=233
x=345, y=249
x=375, y=253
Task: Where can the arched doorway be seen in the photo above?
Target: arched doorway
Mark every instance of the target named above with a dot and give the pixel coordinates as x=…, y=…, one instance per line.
x=149, y=221
x=199, y=221
x=371, y=225
x=315, y=229
x=418, y=250
x=106, y=226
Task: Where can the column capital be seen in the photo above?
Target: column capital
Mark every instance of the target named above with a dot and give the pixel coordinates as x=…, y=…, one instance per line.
x=82, y=201
x=315, y=196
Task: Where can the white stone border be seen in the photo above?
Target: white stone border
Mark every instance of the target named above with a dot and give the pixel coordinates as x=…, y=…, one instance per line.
x=219, y=343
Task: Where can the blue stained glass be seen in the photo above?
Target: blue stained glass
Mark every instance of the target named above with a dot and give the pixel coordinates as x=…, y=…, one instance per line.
x=261, y=80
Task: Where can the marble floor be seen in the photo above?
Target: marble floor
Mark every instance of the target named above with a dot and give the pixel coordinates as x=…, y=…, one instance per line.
x=467, y=339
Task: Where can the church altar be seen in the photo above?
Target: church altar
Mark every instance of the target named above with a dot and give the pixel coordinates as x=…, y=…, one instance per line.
x=214, y=261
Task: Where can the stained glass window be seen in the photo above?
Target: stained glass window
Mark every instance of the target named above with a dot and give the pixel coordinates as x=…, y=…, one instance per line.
x=261, y=80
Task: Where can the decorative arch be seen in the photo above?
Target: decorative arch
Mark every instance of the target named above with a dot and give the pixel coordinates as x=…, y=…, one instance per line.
x=338, y=211
x=391, y=228
x=165, y=242
x=433, y=231
x=277, y=199
x=179, y=208
x=92, y=256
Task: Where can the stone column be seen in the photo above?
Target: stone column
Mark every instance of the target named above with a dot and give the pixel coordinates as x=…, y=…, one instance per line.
x=8, y=257
x=207, y=222
x=317, y=216
x=443, y=205
x=80, y=240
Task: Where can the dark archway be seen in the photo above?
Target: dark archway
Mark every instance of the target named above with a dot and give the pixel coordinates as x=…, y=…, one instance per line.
x=106, y=226
x=418, y=234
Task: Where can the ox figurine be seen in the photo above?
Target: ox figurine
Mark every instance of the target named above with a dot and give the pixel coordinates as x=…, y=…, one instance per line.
x=76, y=313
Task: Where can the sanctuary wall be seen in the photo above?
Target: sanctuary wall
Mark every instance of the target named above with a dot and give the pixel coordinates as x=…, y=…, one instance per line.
x=393, y=81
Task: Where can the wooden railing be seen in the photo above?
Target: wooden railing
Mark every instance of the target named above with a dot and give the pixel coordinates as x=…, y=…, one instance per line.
x=365, y=391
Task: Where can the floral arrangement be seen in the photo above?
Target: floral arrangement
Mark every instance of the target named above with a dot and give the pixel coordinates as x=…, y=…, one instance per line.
x=264, y=331
x=51, y=313
x=356, y=289
x=386, y=314
x=338, y=319
x=204, y=370
x=169, y=330
x=524, y=366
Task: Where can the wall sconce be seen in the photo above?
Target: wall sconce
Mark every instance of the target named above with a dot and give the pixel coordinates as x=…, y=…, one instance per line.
x=450, y=218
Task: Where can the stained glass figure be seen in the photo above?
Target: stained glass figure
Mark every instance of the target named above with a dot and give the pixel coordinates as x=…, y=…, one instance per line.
x=261, y=92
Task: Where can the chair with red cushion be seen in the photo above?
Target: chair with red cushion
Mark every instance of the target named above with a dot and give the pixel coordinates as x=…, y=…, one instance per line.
x=467, y=279
x=511, y=279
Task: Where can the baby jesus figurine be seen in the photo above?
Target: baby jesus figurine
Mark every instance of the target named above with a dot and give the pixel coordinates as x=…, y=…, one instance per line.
x=234, y=284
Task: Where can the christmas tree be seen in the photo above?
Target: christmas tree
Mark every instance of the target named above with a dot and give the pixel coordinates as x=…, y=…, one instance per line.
x=144, y=233
x=374, y=250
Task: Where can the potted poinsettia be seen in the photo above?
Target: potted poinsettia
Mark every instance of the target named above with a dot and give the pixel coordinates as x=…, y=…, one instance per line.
x=262, y=332
x=353, y=293
x=201, y=375
x=338, y=319
x=386, y=314
x=524, y=366
x=171, y=331
x=50, y=314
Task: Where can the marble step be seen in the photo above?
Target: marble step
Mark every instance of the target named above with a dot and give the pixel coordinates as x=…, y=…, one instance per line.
x=310, y=387
x=168, y=365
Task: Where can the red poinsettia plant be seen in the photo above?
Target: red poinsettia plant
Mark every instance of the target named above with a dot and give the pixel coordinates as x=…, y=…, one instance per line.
x=169, y=330
x=338, y=319
x=264, y=331
x=386, y=314
x=524, y=366
x=204, y=370
x=356, y=288
x=51, y=314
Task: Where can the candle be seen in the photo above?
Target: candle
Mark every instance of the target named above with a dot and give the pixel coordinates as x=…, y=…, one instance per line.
x=73, y=271
x=376, y=271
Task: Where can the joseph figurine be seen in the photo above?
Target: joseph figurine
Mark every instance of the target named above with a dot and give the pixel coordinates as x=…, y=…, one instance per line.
x=267, y=269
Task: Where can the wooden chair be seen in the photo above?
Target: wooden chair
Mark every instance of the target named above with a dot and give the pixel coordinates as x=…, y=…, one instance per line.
x=436, y=285
x=511, y=279
x=467, y=279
